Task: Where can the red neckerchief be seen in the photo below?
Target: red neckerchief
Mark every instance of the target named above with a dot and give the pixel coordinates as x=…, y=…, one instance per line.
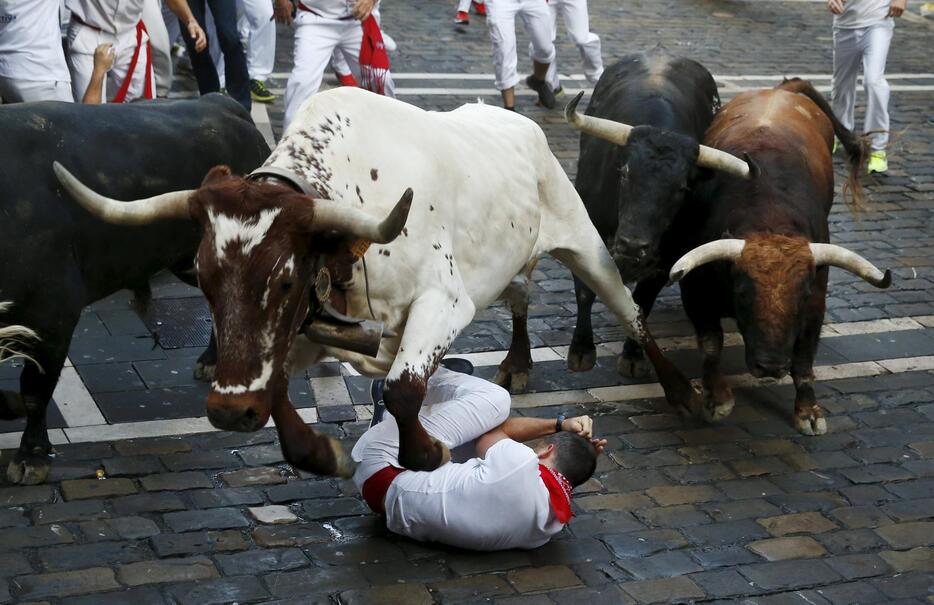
x=374, y=61
x=559, y=492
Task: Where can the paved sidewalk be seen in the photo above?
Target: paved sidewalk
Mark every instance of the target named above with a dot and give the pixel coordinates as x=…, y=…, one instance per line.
x=747, y=512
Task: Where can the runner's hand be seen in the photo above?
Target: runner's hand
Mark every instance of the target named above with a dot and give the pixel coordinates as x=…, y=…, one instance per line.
x=836, y=6
x=581, y=425
x=897, y=7
x=598, y=444
x=283, y=12
x=197, y=35
x=362, y=9
x=104, y=56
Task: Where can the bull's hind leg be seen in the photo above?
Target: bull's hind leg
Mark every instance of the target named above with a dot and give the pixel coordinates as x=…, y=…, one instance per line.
x=585, y=254
x=434, y=321
x=582, y=354
x=513, y=371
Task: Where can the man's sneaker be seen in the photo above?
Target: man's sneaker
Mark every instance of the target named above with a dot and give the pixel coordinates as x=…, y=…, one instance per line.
x=836, y=146
x=545, y=95
x=347, y=80
x=462, y=18
x=479, y=8
x=260, y=93
x=559, y=92
x=456, y=364
x=878, y=162
x=379, y=406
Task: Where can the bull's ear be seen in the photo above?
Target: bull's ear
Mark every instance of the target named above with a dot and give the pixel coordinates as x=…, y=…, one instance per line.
x=215, y=174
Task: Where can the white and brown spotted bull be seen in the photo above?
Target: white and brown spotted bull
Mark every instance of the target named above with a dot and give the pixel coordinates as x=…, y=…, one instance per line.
x=447, y=249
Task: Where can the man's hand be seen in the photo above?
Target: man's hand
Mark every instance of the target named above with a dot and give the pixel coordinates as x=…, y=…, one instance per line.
x=283, y=12
x=836, y=6
x=897, y=7
x=104, y=56
x=581, y=425
x=598, y=444
x=362, y=9
x=197, y=34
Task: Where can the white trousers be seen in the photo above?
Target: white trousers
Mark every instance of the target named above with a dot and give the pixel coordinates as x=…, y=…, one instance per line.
x=258, y=33
x=13, y=90
x=457, y=410
x=160, y=45
x=577, y=23
x=501, y=19
x=316, y=39
x=83, y=40
x=868, y=46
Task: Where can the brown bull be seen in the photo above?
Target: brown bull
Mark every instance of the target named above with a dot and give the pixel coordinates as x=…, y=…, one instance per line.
x=758, y=247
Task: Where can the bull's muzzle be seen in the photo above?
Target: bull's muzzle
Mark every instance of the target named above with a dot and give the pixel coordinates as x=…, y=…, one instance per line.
x=243, y=413
x=633, y=257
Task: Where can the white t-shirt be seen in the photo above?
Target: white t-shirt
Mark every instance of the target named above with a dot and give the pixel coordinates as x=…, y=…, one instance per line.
x=492, y=503
x=111, y=16
x=863, y=13
x=330, y=9
x=31, y=41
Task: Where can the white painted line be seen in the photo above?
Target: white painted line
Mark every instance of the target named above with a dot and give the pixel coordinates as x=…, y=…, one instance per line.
x=136, y=430
x=538, y=400
x=74, y=401
x=261, y=120
x=10, y=441
x=330, y=390
x=581, y=77
x=875, y=326
x=908, y=364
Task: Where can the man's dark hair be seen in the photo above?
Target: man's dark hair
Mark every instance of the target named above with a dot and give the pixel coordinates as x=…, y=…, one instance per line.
x=575, y=456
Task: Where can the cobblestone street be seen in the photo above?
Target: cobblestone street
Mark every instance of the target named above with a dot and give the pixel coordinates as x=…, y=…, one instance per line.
x=748, y=511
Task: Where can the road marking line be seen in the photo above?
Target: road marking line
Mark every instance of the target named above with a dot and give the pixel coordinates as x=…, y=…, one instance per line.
x=261, y=120
x=74, y=401
x=582, y=77
x=10, y=441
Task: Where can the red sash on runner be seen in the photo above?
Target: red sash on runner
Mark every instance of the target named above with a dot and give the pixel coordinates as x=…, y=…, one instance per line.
x=375, y=488
x=120, y=97
x=559, y=493
x=374, y=60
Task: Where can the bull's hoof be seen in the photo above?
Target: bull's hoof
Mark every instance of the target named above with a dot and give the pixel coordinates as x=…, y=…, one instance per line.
x=32, y=470
x=516, y=382
x=344, y=466
x=204, y=372
x=718, y=411
x=630, y=367
x=581, y=359
x=811, y=424
x=437, y=456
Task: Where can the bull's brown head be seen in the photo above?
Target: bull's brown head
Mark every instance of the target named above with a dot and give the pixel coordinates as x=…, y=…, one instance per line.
x=773, y=277
x=255, y=264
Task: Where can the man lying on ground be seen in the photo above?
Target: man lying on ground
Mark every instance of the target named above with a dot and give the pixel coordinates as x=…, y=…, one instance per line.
x=510, y=480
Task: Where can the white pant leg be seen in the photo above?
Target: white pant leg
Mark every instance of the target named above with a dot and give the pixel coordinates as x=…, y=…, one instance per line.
x=457, y=410
x=258, y=30
x=82, y=40
x=30, y=91
x=846, y=59
x=349, y=47
x=537, y=19
x=463, y=6
x=577, y=22
x=552, y=76
x=315, y=41
x=160, y=45
x=126, y=46
x=501, y=19
x=875, y=52
x=339, y=63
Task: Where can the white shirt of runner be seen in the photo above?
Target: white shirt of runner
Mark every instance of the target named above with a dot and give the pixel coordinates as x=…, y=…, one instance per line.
x=31, y=42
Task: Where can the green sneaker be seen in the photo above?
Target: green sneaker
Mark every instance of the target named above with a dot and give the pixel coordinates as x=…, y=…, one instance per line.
x=559, y=92
x=260, y=93
x=877, y=162
x=836, y=145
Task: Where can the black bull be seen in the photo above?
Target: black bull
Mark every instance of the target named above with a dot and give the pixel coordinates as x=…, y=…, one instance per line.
x=632, y=192
x=57, y=259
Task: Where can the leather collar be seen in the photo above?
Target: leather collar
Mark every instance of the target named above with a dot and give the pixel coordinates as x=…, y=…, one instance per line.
x=289, y=178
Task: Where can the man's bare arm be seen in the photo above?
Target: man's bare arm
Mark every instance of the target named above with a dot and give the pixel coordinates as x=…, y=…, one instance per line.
x=183, y=12
x=527, y=429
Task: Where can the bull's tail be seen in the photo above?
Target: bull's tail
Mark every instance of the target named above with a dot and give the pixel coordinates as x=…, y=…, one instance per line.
x=13, y=339
x=857, y=149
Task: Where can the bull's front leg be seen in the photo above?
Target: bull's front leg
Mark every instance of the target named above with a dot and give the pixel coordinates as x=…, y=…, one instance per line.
x=513, y=371
x=632, y=361
x=809, y=416
x=434, y=321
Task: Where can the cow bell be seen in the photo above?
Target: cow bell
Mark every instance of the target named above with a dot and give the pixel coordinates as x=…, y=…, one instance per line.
x=363, y=337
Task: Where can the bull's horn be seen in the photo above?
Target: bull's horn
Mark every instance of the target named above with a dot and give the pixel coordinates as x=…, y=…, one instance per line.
x=838, y=256
x=140, y=212
x=615, y=132
x=721, y=249
x=332, y=216
x=708, y=157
